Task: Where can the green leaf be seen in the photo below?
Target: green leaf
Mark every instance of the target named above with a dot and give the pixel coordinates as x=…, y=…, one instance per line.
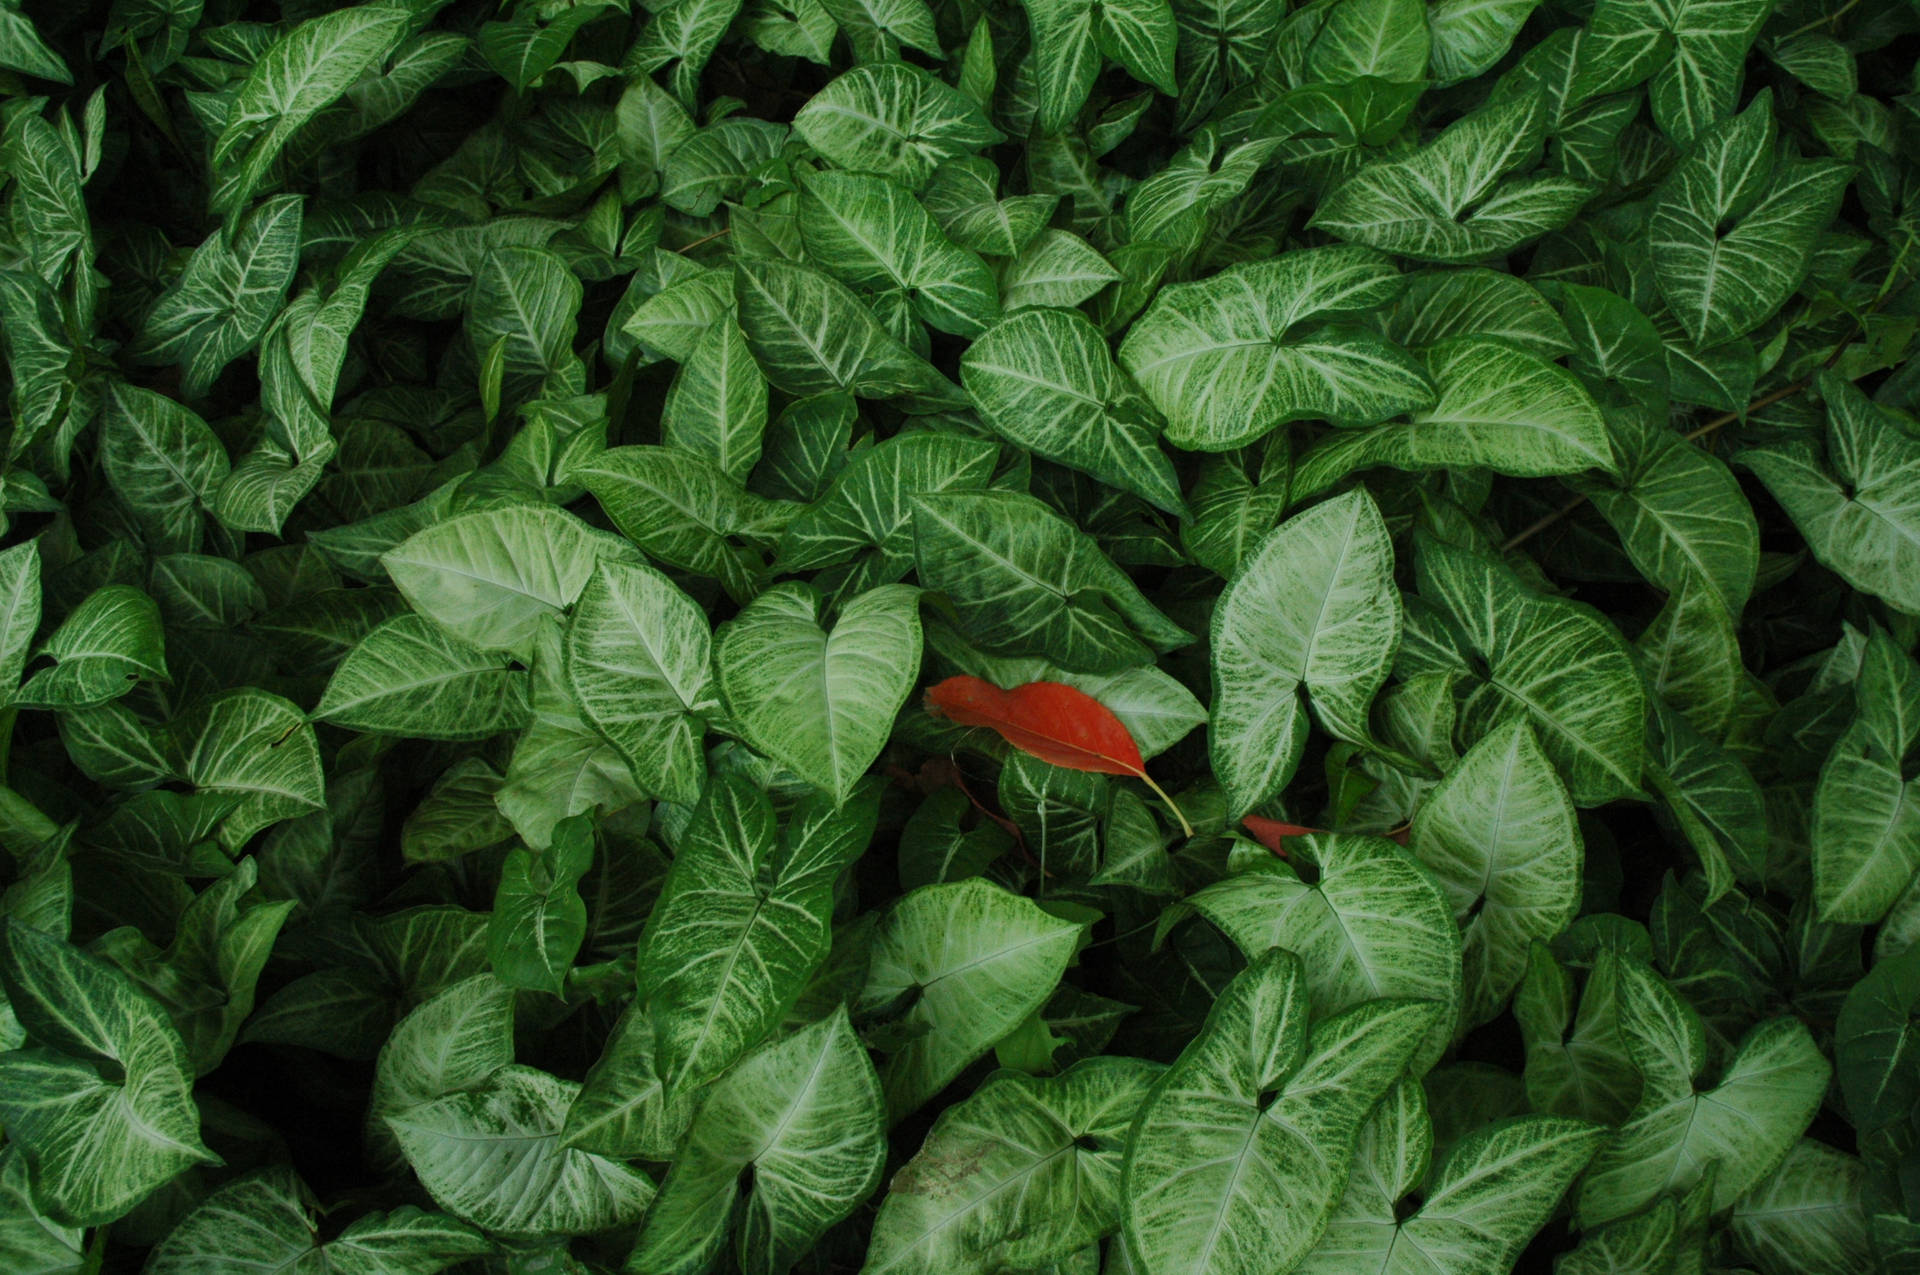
x=164, y=462
x=451, y=1043
x=458, y=817
x=623, y=1109
x=539, y=920
x=876, y=28
x=1044, y=381
x=109, y=642
x=1244, y=1145
x=19, y=612
x=1866, y=820
x=1024, y=1171
x=1499, y=408
x=490, y=576
x=22, y=49
x=812, y=335
x=1375, y=923
x=963, y=964
x=636, y=663
x=255, y=747
x=1693, y=51
x=103, y=1110
x=1438, y=304
x=266, y=1219
x=1230, y=357
x=683, y=510
x=1058, y=269
x=963, y=196
x=741, y=922
x=1806, y=1216
x=492, y=1156
x=410, y=677
x=1500, y=834
x=893, y=119
x=1747, y=1122
x=819, y=702
x=222, y=302
x=1875, y=1042
x=1459, y=198
x=867, y=514
x=1071, y=37
x=718, y=162
x=522, y=50
x=870, y=233
x=801, y=1119
x=1680, y=514
x=31, y=1241
x=1027, y=582
x=1857, y=511
x=528, y=298
x=717, y=406
x=1469, y=37
x=304, y=72
x=1312, y=616
x=1732, y=231
x=1497, y=1187
x=1553, y=661
x=562, y=766
x=1577, y=1067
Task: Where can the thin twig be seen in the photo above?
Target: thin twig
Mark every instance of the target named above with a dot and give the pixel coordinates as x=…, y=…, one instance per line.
x=708, y=239
x=1819, y=22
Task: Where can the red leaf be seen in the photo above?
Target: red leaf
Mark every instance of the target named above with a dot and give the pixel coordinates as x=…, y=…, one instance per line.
x=1050, y=720
x=1271, y=832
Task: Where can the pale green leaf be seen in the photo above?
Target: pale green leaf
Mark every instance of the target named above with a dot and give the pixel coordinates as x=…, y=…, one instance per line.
x=1028, y=582
x=1858, y=511
x=1311, y=617
x=110, y=641
x=103, y=1109
x=717, y=405
x=1244, y=1146
x=1230, y=357
x=1044, y=380
x=741, y=923
x=490, y=576
x=968, y=962
x=820, y=702
x=802, y=1119
x=229, y=292
x=1453, y=200
x=893, y=119
x=1732, y=230
x=1747, y=1122
x=1024, y=1171
x=410, y=677
x=492, y=1156
x=636, y=662
x=1866, y=811
x=304, y=72
x=1374, y=924
x=1500, y=408
x=1500, y=834
x=1554, y=661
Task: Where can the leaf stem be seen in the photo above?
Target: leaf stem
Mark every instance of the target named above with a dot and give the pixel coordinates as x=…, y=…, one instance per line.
x=1822, y=21
x=1161, y=793
x=718, y=234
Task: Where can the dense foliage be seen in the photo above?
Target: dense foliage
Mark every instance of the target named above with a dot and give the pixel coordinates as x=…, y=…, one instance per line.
x=531, y=531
